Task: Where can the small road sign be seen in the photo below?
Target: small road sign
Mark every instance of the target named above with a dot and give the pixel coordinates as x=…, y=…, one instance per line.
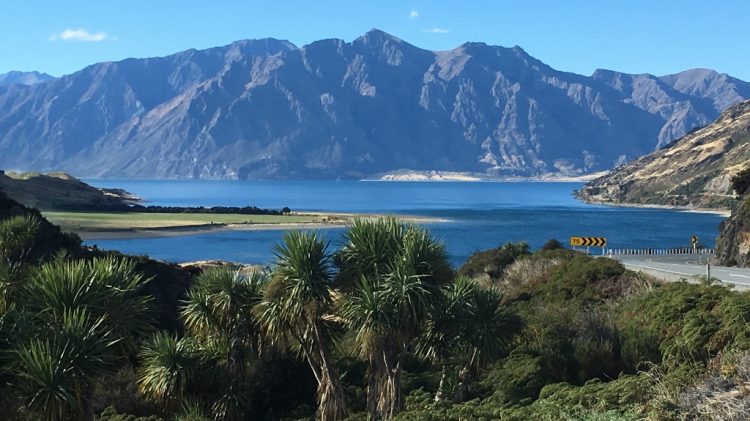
x=588, y=241
x=694, y=240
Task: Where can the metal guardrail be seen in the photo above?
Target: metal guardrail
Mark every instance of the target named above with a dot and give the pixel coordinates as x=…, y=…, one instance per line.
x=657, y=251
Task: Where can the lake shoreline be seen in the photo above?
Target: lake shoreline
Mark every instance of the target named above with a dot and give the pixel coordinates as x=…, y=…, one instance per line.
x=721, y=212
x=328, y=221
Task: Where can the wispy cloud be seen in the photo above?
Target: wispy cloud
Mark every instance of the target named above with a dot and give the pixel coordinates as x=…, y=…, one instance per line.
x=79, y=34
x=414, y=14
x=437, y=31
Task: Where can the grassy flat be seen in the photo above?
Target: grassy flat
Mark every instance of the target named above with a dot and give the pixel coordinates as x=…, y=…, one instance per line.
x=102, y=221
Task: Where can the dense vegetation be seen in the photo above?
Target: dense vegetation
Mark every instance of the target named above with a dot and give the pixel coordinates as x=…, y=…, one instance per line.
x=380, y=327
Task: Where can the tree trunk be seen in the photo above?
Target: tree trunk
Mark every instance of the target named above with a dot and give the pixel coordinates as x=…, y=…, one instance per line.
x=331, y=398
x=390, y=400
x=440, y=394
x=463, y=379
x=372, y=380
x=462, y=386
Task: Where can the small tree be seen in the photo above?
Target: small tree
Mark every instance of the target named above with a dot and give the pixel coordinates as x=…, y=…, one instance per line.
x=393, y=273
x=741, y=181
x=296, y=310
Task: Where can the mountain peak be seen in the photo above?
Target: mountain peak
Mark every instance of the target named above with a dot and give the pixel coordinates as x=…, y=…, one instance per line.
x=376, y=36
x=24, y=78
x=698, y=72
x=265, y=42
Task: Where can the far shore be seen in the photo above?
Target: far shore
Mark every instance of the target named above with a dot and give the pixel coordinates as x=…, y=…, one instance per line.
x=124, y=226
x=459, y=177
x=721, y=212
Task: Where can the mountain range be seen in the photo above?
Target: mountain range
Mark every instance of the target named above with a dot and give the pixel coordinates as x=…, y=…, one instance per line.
x=267, y=109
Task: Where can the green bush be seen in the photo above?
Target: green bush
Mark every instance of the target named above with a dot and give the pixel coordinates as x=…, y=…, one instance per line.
x=491, y=263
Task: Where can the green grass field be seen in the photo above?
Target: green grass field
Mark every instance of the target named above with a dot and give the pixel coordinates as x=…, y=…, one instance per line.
x=102, y=221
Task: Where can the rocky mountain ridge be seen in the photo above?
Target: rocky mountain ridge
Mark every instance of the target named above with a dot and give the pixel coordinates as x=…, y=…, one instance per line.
x=260, y=109
x=694, y=171
x=24, y=78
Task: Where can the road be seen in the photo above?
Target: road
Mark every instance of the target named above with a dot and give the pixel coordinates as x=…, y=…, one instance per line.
x=675, y=267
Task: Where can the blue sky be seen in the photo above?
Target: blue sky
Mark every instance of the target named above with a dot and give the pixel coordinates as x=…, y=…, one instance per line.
x=636, y=36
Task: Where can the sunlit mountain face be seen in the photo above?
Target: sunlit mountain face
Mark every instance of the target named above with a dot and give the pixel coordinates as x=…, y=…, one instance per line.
x=259, y=109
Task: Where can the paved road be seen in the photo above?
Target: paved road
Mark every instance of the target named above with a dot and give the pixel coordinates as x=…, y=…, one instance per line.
x=675, y=267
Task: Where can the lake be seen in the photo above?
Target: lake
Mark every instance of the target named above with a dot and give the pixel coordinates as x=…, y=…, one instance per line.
x=482, y=215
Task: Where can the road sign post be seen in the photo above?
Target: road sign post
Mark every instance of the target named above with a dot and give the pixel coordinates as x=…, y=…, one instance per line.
x=588, y=242
x=694, y=241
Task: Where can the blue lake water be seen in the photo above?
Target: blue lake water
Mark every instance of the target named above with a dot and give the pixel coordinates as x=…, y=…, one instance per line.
x=483, y=215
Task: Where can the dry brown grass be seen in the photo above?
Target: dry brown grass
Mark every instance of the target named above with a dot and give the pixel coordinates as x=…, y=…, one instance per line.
x=722, y=394
x=525, y=271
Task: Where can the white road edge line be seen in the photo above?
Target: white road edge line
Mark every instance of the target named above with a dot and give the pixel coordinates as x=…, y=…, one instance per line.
x=665, y=270
x=693, y=274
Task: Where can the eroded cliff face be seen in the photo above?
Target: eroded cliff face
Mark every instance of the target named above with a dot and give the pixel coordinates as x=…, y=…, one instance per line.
x=694, y=171
x=733, y=244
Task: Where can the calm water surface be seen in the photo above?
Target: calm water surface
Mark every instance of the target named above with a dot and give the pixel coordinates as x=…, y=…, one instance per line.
x=483, y=215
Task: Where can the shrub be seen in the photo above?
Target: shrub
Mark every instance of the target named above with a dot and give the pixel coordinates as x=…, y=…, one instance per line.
x=741, y=181
x=490, y=264
x=526, y=271
x=552, y=244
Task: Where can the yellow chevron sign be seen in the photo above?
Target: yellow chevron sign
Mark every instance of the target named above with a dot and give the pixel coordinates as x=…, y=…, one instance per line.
x=588, y=241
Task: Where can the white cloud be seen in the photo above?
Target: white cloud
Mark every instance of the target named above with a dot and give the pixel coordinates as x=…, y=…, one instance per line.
x=80, y=34
x=414, y=14
x=437, y=31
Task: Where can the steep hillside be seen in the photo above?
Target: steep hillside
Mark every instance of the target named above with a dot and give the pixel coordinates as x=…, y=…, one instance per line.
x=335, y=109
x=694, y=171
x=59, y=191
x=733, y=244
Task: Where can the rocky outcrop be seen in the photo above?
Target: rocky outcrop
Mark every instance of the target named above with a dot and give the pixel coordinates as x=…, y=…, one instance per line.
x=333, y=109
x=694, y=171
x=733, y=244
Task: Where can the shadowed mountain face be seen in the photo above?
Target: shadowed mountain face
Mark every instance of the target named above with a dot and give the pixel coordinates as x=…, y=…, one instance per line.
x=332, y=109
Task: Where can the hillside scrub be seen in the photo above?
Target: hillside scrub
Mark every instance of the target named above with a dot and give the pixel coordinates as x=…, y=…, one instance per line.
x=379, y=328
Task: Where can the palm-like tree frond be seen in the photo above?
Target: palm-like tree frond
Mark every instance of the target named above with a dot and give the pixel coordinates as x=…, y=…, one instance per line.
x=486, y=327
x=220, y=300
x=304, y=264
x=16, y=236
x=55, y=375
x=168, y=366
x=369, y=248
x=107, y=288
x=365, y=311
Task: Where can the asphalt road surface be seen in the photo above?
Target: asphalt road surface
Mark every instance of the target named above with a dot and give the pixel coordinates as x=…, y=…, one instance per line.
x=690, y=267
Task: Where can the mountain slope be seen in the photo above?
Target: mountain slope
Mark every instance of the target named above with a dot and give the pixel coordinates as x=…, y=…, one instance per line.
x=694, y=171
x=60, y=191
x=24, y=78
x=335, y=109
